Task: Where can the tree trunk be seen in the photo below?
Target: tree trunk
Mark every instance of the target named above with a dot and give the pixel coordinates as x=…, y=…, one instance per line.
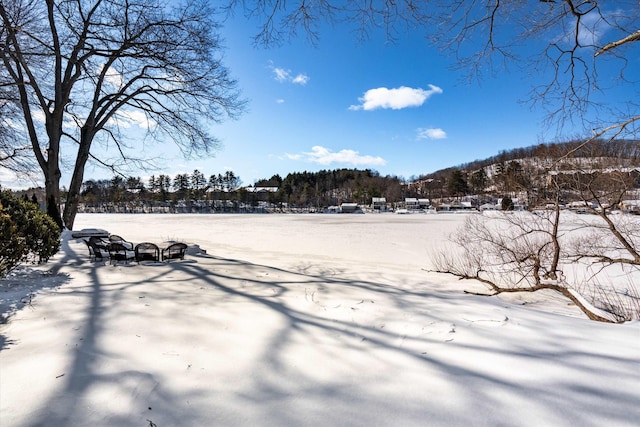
x=52, y=176
x=556, y=243
x=537, y=287
x=73, y=197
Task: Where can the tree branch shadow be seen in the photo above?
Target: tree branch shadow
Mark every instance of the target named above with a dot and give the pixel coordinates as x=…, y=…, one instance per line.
x=309, y=318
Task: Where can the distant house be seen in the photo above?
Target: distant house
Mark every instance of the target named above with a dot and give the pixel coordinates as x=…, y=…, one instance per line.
x=489, y=207
x=261, y=189
x=379, y=204
x=411, y=203
x=631, y=206
x=424, y=203
x=461, y=205
x=348, y=207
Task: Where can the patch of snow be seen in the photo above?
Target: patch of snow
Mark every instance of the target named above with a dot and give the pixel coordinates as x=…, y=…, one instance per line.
x=301, y=320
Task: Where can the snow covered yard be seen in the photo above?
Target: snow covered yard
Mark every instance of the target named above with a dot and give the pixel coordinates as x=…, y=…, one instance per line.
x=301, y=320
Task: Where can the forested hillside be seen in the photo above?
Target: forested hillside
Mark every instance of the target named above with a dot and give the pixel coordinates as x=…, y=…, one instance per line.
x=332, y=187
x=532, y=174
x=532, y=170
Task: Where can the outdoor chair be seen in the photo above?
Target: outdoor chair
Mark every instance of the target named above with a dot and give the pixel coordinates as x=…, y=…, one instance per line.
x=91, y=253
x=147, y=252
x=174, y=251
x=97, y=241
x=120, y=252
x=96, y=250
x=114, y=238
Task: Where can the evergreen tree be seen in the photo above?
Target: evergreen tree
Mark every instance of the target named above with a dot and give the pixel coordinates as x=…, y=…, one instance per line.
x=507, y=204
x=182, y=185
x=457, y=183
x=198, y=184
x=478, y=180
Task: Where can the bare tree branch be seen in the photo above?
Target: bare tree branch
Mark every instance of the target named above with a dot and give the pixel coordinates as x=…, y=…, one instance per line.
x=510, y=253
x=628, y=39
x=95, y=63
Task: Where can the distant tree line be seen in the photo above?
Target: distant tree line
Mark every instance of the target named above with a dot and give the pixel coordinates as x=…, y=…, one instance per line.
x=159, y=188
x=301, y=189
x=333, y=187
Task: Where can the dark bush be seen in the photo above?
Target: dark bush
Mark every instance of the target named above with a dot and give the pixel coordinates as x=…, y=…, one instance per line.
x=27, y=234
x=507, y=204
x=12, y=246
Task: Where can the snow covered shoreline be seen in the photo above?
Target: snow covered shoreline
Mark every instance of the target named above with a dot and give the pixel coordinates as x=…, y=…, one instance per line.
x=302, y=320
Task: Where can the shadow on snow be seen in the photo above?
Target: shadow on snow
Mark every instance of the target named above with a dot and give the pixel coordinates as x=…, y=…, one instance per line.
x=345, y=329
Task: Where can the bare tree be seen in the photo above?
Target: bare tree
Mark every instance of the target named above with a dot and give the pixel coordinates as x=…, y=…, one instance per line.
x=579, y=256
x=82, y=69
x=603, y=182
x=520, y=252
x=15, y=152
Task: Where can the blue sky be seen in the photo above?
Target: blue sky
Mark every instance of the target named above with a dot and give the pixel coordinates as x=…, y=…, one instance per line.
x=395, y=107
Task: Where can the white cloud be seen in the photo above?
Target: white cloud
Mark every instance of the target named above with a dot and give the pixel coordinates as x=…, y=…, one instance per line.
x=431, y=133
x=285, y=76
x=38, y=116
x=324, y=156
x=592, y=28
x=300, y=79
x=395, y=99
x=280, y=101
x=131, y=118
x=112, y=76
x=282, y=75
x=294, y=156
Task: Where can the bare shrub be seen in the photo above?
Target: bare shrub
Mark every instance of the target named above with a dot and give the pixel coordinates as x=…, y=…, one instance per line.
x=523, y=252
